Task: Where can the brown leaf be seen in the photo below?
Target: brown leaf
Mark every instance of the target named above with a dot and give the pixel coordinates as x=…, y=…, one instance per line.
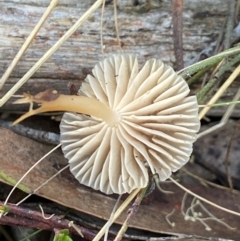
x=18, y=154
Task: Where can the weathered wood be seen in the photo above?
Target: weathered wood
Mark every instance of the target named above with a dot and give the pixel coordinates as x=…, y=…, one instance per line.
x=145, y=29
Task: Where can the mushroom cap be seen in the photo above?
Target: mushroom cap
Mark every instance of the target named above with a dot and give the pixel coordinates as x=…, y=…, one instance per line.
x=157, y=126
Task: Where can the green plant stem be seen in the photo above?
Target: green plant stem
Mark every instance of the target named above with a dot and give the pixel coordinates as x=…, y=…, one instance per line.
x=191, y=70
x=198, y=75
x=11, y=181
x=205, y=90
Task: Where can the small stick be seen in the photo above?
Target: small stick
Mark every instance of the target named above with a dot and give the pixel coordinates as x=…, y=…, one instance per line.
x=214, y=80
x=230, y=24
x=37, y=135
x=101, y=28
x=29, y=218
x=111, y=217
x=132, y=211
x=50, y=52
x=177, y=15
x=191, y=70
x=117, y=214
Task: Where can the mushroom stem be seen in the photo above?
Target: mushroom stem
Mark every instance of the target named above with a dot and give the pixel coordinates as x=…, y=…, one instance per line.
x=51, y=100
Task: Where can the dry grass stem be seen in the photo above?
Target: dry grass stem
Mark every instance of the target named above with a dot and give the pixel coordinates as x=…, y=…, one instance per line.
x=30, y=169
x=28, y=41
x=109, y=222
x=203, y=199
x=116, y=23
x=117, y=214
x=207, y=183
x=227, y=83
x=131, y=212
x=49, y=53
x=43, y=184
x=224, y=119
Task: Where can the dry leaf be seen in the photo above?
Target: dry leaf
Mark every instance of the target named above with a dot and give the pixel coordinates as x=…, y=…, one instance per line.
x=18, y=154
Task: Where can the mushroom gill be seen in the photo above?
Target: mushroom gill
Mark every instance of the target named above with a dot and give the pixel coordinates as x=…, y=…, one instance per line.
x=151, y=125
x=123, y=123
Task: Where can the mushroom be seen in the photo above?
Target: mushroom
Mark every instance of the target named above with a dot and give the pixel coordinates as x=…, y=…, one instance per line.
x=124, y=124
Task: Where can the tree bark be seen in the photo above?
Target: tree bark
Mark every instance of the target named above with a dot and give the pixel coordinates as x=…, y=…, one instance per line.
x=145, y=29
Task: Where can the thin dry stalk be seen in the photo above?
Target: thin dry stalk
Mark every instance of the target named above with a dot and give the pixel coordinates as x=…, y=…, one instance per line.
x=117, y=214
x=50, y=52
x=43, y=184
x=28, y=41
x=224, y=119
x=101, y=28
x=207, y=183
x=116, y=23
x=132, y=211
x=228, y=82
x=29, y=170
x=203, y=199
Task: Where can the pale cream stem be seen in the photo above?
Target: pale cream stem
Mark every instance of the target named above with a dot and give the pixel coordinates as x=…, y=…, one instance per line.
x=72, y=103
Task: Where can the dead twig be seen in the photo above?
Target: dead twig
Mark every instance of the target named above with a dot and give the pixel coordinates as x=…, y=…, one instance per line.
x=20, y=216
x=177, y=9
x=131, y=212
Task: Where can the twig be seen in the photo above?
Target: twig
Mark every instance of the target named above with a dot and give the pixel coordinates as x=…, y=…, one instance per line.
x=131, y=212
x=198, y=75
x=177, y=9
x=230, y=24
x=37, y=135
x=43, y=184
x=209, y=86
x=28, y=218
x=111, y=217
x=117, y=214
x=190, y=70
